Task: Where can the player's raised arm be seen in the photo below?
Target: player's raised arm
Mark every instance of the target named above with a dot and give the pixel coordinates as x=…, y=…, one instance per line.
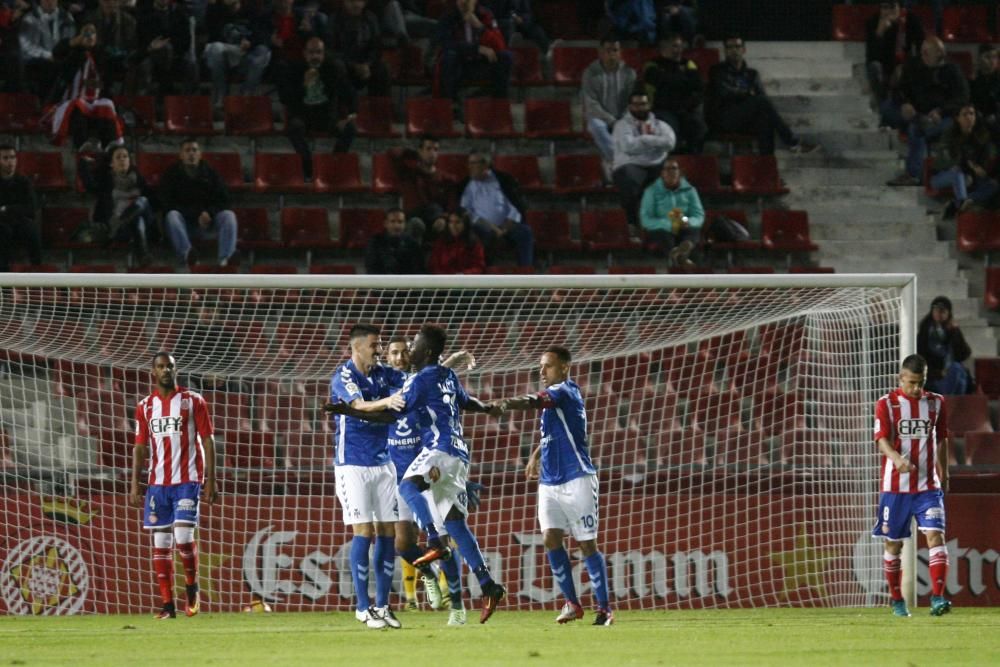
x=385, y=415
x=459, y=360
x=526, y=402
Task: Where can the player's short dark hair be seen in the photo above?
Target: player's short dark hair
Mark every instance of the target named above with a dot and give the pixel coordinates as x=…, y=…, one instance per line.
x=399, y=338
x=562, y=354
x=609, y=38
x=637, y=92
x=190, y=140
x=7, y=147
x=436, y=339
x=915, y=364
x=161, y=353
x=363, y=330
x=394, y=209
x=730, y=37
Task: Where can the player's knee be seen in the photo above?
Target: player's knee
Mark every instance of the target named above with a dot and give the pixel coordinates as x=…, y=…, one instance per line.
x=184, y=534
x=364, y=530
x=893, y=547
x=935, y=539
x=163, y=539
x=588, y=547
x=553, y=539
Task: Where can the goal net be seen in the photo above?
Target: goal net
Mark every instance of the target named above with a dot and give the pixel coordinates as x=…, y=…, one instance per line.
x=730, y=418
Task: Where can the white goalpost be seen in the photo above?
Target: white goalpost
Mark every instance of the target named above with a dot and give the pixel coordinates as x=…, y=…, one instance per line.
x=730, y=418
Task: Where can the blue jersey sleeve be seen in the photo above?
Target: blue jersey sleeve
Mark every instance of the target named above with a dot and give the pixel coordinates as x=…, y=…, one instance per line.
x=556, y=395
x=412, y=393
x=343, y=387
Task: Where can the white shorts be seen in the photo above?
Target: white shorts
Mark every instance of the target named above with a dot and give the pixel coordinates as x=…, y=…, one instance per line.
x=406, y=513
x=570, y=507
x=449, y=490
x=367, y=493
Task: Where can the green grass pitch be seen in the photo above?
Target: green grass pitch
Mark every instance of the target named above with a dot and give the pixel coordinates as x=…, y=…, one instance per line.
x=811, y=637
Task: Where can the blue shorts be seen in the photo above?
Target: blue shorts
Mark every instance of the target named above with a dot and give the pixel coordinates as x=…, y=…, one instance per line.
x=895, y=510
x=166, y=505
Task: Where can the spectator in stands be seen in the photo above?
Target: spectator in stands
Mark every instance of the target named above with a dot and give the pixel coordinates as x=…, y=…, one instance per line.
x=931, y=91
x=83, y=112
x=677, y=16
x=607, y=83
x=426, y=192
x=514, y=15
x=737, y=102
x=418, y=24
x=11, y=13
x=117, y=35
x=891, y=36
x=392, y=22
x=197, y=204
x=230, y=45
x=941, y=343
x=633, y=19
x=676, y=88
x=494, y=203
x=41, y=29
x=317, y=98
x=965, y=158
x=393, y=251
x=472, y=46
x=672, y=215
x=642, y=143
x=287, y=30
x=984, y=89
x=356, y=40
x=456, y=249
x=18, y=208
x=124, y=201
x=166, y=53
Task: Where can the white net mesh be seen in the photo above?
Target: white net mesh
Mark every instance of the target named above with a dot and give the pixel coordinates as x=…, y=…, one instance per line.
x=730, y=424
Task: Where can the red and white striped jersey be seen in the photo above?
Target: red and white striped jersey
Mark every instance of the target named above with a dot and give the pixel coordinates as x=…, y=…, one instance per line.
x=173, y=426
x=916, y=427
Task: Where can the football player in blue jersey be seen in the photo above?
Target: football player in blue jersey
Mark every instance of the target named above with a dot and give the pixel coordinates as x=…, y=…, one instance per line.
x=567, y=482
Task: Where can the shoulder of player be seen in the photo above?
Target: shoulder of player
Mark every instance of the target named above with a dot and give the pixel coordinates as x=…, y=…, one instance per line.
x=933, y=395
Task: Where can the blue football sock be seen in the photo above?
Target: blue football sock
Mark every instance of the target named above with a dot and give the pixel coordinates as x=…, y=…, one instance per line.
x=453, y=573
x=359, y=570
x=563, y=573
x=385, y=563
x=469, y=548
x=598, y=577
x=415, y=499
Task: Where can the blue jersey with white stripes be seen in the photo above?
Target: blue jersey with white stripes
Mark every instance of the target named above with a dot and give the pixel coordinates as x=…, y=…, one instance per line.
x=358, y=442
x=437, y=397
x=404, y=435
x=565, y=452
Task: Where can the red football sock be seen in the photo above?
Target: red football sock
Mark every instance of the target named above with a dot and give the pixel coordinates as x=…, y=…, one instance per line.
x=938, y=568
x=893, y=575
x=163, y=565
x=189, y=559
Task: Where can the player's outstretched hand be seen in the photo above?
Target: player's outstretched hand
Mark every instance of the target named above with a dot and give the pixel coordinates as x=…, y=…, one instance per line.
x=496, y=408
x=335, y=408
x=531, y=470
x=397, y=402
x=472, y=491
x=903, y=465
x=461, y=359
x=208, y=492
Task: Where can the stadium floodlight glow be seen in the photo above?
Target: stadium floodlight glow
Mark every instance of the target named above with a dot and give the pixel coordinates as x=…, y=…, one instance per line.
x=730, y=417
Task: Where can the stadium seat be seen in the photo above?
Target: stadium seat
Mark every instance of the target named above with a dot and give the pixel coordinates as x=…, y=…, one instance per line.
x=977, y=231
x=188, y=115
x=430, y=115
x=524, y=169
x=756, y=175
x=991, y=294
x=849, y=21
x=406, y=65
x=231, y=414
x=60, y=224
x=702, y=171
x=571, y=270
x=750, y=269
x=279, y=172
x=804, y=268
x=248, y=116
x=19, y=113
x=987, y=374
x=786, y=231
x=489, y=118
x=338, y=173
x=254, y=229
x=374, y=118
x=93, y=268
x=606, y=230
x=627, y=269
x=548, y=119
x=929, y=189
x=152, y=166
x=251, y=449
x=704, y=58
x=34, y=268
x=579, y=174
x=229, y=167
x=709, y=236
x=384, y=177
x=153, y=268
x=358, y=225
x=510, y=270
x=44, y=169
x=968, y=23
x=453, y=165
x=982, y=448
x=305, y=228
x=333, y=269
x=968, y=412
x=636, y=57
x=551, y=230
x=807, y=449
x=569, y=62
x=527, y=66
x=496, y=451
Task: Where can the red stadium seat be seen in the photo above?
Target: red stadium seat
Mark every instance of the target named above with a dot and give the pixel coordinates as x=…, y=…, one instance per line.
x=750, y=269
x=571, y=270
x=702, y=171
x=982, y=449
x=569, y=62
x=406, y=65
x=305, y=228
x=489, y=118
x=188, y=115
x=606, y=230
x=142, y=108
x=968, y=412
x=806, y=448
x=338, y=173
x=548, y=119
x=965, y=24
x=987, y=374
x=524, y=169
x=333, y=269
x=231, y=415
x=579, y=174
x=849, y=21
x=93, y=268
x=756, y=175
x=253, y=229
x=551, y=230
x=527, y=66
x=786, y=231
x=709, y=234
x=429, y=115
x=495, y=451
x=19, y=113
x=801, y=268
x=375, y=116
x=384, y=177
x=704, y=59
x=229, y=167
x=279, y=172
x=248, y=116
x=977, y=231
x=358, y=225
x=508, y=270
x=991, y=296
x=929, y=189
x=453, y=165
x=152, y=166
x=622, y=269
x=252, y=449
x=44, y=169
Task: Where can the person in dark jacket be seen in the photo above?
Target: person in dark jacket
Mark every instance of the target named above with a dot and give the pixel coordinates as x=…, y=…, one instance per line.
x=885, y=32
x=124, y=200
x=738, y=103
x=165, y=54
x=472, y=46
x=517, y=15
x=318, y=98
x=456, y=249
x=197, y=204
x=356, y=41
x=984, y=88
x=941, y=343
x=117, y=35
x=393, y=251
x=18, y=205
x=965, y=162
x=494, y=203
x=426, y=192
x=676, y=88
x=229, y=45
